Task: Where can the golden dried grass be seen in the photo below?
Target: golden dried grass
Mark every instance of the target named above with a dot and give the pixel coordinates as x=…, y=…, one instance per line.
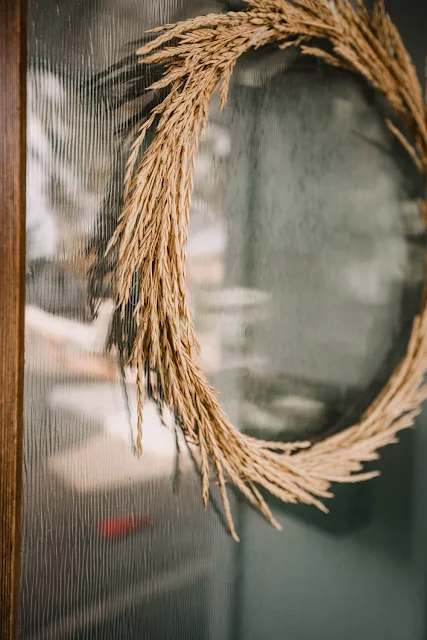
x=151, y=237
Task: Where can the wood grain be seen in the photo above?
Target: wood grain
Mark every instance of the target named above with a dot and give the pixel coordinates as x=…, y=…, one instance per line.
x=12, y=301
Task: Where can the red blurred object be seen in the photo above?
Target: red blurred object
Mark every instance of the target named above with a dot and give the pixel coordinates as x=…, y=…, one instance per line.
x=113, y=528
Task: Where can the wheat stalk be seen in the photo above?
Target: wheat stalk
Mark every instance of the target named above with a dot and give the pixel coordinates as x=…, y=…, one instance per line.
x=150, y=241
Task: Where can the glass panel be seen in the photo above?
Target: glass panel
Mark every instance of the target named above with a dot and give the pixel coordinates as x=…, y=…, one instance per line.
x=305, y=269
x=333, y=242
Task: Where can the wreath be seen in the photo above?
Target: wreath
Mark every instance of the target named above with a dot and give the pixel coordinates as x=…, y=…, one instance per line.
x=149, y=244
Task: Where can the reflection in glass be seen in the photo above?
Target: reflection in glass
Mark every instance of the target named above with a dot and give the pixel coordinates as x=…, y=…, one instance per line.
x=305, y=269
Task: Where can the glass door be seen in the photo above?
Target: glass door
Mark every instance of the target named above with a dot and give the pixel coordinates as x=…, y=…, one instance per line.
x=305, y=271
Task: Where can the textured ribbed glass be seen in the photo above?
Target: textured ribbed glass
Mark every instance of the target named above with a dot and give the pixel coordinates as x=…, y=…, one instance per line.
x=305, y=271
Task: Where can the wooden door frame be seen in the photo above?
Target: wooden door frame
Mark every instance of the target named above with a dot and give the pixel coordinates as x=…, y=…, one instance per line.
x=13, y=63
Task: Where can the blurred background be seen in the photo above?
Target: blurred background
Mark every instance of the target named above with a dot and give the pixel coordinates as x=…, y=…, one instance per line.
x=305, y=272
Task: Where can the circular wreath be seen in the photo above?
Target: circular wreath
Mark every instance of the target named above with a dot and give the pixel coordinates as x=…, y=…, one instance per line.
x=149, y=243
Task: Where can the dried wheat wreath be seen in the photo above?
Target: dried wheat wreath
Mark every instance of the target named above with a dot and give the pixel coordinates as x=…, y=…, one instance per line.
x=149, y=244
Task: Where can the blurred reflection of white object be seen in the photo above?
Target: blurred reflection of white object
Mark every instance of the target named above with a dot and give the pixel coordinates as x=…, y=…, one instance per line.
x=211, y=240
x=285, y=416
x=204, y=166
x=256, y=417
x=370, y=281
x=107, y=459
x=88, y=337
x=239, y=298
x=56, y=344
x=236, y=311
x=105, y=403
x=210, y=358
x=65, y=183
x=219, y=139
x=309, y=406
x=41, y=225
x=76, y=341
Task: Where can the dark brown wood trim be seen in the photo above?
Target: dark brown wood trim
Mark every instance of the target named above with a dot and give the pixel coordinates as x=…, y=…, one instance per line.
x=13, y=17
